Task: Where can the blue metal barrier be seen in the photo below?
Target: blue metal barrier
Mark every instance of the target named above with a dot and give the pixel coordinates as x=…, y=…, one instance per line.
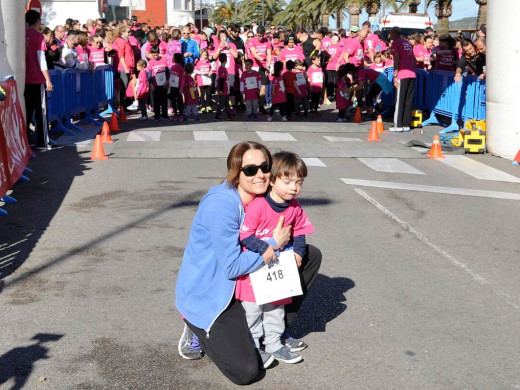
x=420, y=97
x=56, y=102
x=104, y=90
x=388, y=100
x=474, y=104
x=73, y=104
x=87, y=96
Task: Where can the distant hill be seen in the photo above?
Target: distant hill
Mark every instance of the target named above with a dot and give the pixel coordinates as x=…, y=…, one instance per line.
x=461, y=24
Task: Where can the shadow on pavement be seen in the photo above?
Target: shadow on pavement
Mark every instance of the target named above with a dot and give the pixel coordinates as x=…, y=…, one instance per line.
x=324, y=302
x=18, y=363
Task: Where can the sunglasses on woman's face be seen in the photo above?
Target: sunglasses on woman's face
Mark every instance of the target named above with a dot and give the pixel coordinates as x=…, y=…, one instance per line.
x=251, y=170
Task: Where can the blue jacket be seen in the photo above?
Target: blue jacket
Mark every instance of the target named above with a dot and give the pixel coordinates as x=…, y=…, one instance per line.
x=213, y=258
x=190, y=46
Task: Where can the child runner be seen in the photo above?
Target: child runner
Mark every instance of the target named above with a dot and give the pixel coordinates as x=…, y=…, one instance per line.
x=158, y=74
x=203, y=72
x=250, y=84
x=315, y=77
x=302, y=93
x=223, y=89
x=291, y=88
x=342, y=93
x=277, y=92
x=176, y=86
x=191, y=98
x=378, y=64
x=262, y=215
x=142, y=89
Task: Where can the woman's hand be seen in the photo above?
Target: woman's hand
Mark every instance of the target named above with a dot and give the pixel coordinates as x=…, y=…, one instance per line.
x=281, y=234
x=269, y=255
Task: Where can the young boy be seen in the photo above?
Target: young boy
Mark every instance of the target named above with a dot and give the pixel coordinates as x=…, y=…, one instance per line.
x=287, y=175
x=191, y=98
x=177, y=86
x=223, y=88
x=250, y=84
x=158, y=74
x=302, y=94
x=315, y=77
x=141, y=89
x=291, y=88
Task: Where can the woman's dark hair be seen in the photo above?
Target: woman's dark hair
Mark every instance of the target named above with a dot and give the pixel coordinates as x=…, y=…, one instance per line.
x=235, y=156
x=154, y=50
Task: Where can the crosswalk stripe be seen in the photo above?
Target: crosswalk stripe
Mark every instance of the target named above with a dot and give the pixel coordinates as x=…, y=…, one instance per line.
x=138, y=135
x=477, y=169
x=201, y=135
x=392, y=165
x=313, y=162
x=270, y=136
x=341, y=139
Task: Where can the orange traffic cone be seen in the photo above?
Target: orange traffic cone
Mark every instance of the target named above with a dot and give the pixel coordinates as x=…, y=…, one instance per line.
x=373, y=135
x=516, y=161
x=105, y=134
x=357, y=117
x=114, y=126
x=380, y=126
x=122, y=115
x=98, y=153
x=436, y=150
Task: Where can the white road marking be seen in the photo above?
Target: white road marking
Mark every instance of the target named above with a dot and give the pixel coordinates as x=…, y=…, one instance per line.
x=392, y=165
x=477, y=169
x=210, y=136
x=457, y=263
x=138, y=135
x=270, y=136
x=433, y=189
x=313, y=162
x=342, y=139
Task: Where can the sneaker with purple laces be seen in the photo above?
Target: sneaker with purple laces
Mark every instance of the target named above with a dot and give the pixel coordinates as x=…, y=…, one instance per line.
x=189, y=347
x=296, y=345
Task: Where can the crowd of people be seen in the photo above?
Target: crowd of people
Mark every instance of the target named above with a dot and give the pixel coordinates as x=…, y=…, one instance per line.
x=180, y=72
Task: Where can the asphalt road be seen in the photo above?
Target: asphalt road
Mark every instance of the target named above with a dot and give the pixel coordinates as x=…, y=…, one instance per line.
x=418, y=287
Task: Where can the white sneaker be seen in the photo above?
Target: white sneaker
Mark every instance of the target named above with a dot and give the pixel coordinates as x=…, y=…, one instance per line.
x=406, y=129
x=396, y=129
x=133, y=106
x=284, y=119
x=269, y=118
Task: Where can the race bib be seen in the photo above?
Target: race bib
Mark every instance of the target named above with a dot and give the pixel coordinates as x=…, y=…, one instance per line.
x=282, y=86
x=205, y=80
x=300, y=79
x=213, y=65
x=277, y=280
x=317, y=78
x=160, y=78
x=174, y=81
x=251, y=83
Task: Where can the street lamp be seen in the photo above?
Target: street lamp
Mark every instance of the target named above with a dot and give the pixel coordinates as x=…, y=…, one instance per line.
x=263, y=22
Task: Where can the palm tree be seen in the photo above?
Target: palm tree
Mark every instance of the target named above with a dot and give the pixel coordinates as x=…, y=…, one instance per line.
x=224, y=11
x=413, y=6
x=354, y=9
x=372, y=7
x=482, y=12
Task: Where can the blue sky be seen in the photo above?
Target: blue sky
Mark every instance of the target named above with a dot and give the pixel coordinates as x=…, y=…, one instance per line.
x=461, y=9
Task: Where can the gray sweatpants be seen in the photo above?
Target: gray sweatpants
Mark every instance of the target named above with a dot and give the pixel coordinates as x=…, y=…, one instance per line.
x=265, y=320
x=251, y=107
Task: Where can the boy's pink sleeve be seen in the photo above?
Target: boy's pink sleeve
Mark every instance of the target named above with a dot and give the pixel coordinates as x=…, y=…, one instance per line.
x=251, y=220
x=302, y=224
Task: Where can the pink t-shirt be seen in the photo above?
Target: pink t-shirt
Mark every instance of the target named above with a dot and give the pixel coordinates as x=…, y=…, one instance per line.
x=341, y=101
x=83, y=53
x=177, y=76
x=213, y=63
x=367, y=74
x=163, y=48
x=389, y=62
x=325, y=43
x=315, y=76
x=174, y=46
x=378, y=67
x=222, y=74
x=293, y=54
x=261, y=220
x=277, y=49
x=335, y=52
x=190, y=90
x=445, y=61
x=261, y=48
x=142, y=87
x=345, y=42
x=406, y=58
x=158, y=68
x=97, y=56
x=34, y=42
x=371, y=42
x=204, y=67
x=278, y=90
x=230, y=64
x=301, y=81
x=420, y=51
x=355, y=52
x=250, y=81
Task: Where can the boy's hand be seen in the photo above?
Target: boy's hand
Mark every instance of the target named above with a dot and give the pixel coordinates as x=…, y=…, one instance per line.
x=298, y=259
x=269, y=255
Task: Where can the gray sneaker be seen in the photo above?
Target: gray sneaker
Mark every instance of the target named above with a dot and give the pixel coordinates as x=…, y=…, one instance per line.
x=395, y=129
x=296, y=345
x=285, y=355
x=267, y=358
x=406, y=129
x=189, y=347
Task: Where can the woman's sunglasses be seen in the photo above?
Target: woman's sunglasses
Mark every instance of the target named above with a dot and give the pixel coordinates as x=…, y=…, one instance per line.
x=251, y=170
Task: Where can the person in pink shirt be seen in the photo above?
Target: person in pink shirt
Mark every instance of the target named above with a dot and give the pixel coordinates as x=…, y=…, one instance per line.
x=278, y=46
x=37, y=79
x=261, y=53
x=126, y=60
x=142, y=88
x=278, y=97
x=97, y=54
x=302, y=93
x=231, y=52
x=335, y=53
x=342, y=93
x=191, y=98
x=261, y=218
x=83, y=50
x=176, y=83
x=371, y=41
x=423, y=53
x=404, y=80
x=203, y=72
x=174, y=46
x=378, y=64
x=250, y=84
x=223, y=88
x=354, y=51
x=387, y=58
x=291, y=52
x=445, y=55
x=315, y=77
x=158, y=74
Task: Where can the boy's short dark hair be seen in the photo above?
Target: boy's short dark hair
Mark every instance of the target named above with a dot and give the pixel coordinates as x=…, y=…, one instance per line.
x=178, y=58
x=289, y=65
x=31, y=17
x=249, y=61
x=142, y=63
x=154, y=50
x=222, y=57
x=286, y=164
x=188, y=68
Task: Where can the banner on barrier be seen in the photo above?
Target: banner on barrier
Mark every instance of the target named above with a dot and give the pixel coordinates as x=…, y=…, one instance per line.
x=14, y=146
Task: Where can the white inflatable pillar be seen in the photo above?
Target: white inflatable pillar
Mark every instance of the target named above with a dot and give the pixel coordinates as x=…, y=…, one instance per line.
x=503, y=80
x=12, y=41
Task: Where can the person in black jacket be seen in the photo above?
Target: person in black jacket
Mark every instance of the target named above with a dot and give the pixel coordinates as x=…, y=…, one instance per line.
x=53, y=52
